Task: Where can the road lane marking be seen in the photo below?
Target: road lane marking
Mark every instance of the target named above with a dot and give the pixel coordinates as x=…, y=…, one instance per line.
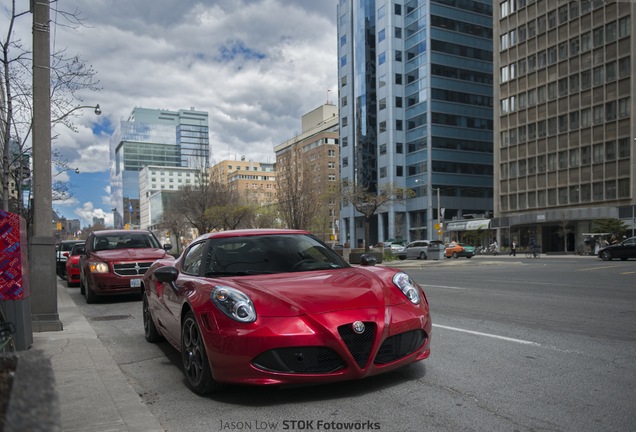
x=596, y=268
x=509, y=339
x=442, y=286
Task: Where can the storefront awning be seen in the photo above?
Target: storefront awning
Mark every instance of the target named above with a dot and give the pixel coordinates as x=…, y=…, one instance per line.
x=468, y=225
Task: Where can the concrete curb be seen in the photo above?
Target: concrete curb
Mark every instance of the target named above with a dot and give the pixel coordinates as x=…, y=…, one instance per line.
x=33, y=402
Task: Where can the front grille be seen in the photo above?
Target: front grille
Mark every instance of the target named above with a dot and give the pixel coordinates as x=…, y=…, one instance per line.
x=359, y=344
x=131, y=268
x=400, y=345
x=307, y=359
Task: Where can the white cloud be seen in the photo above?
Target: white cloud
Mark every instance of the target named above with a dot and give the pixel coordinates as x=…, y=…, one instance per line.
x=88, y=211
x=256, y=66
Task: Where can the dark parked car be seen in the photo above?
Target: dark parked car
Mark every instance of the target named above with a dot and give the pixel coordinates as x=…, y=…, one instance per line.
x=273, y=307
x=623, y=250
x=115, y=261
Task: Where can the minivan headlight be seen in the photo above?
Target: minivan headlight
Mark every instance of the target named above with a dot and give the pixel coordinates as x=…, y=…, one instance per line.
x=98, y=267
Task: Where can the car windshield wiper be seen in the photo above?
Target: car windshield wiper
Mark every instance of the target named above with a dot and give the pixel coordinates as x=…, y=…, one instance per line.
x=237, y=273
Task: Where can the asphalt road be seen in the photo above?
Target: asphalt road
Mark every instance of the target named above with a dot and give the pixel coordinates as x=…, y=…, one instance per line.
x=518, y=344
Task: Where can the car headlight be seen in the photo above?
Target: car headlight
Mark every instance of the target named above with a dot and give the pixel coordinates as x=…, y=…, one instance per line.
x=98, y=267
x=233, y=303
x=407, y=286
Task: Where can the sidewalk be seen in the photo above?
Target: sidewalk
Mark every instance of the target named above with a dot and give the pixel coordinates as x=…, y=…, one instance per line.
x=94, y=395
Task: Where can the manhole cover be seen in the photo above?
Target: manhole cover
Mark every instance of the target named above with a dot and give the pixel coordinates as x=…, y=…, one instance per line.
x=112, y=318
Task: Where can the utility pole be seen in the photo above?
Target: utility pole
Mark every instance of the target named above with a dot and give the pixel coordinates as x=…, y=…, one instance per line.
x=42, y=247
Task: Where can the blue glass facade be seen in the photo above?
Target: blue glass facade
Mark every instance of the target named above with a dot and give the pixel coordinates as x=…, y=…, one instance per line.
x=416, y=110
x=154, y=137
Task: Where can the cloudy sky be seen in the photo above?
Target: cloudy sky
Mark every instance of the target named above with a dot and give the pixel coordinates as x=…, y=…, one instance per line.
x=256, y=66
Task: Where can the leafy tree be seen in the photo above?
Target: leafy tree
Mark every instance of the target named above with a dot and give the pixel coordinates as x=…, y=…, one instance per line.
x=369, y=202
x=609, y=225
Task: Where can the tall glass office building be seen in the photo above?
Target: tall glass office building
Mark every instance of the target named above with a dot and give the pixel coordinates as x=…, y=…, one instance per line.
x=153, y=137
x=415, y=106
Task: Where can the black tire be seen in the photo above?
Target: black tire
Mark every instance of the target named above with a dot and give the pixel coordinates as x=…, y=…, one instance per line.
x=194, y=358
x=89, y=294
x=402, y=258
x=469, y=256
x=605, y=255
x=150, y=331
x=455, y=255
x=422, y=256
x=82, y=290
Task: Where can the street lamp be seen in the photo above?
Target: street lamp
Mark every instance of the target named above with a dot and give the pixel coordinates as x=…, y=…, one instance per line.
x=76, y=170
x=96, y=109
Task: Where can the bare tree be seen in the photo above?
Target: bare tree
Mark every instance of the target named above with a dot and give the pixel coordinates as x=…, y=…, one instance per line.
x=368, y=202
x=69, y=75
x=297, y=198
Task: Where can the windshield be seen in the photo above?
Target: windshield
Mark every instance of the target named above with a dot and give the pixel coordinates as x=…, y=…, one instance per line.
x=265, y=254
x=125, y=241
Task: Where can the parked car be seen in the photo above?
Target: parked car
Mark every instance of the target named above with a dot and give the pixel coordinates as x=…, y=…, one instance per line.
x=72, y=264
x=115, y=261
x=456, y=250
x=61, y=253
x=273, y=307
x=623, y=250
x=418, y=249
x=394, y=247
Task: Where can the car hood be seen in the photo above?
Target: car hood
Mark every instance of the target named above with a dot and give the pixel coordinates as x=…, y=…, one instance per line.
x=130, y=254
x=316, y=292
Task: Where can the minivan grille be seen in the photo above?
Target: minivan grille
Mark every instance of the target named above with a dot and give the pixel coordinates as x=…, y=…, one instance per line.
x=131, y=268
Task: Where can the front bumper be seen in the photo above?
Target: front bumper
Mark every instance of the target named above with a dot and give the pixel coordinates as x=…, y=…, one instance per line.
x=316, y=348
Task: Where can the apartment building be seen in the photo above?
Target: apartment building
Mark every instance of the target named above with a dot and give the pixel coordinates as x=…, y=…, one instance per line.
x=255, y=181
x=310, y=162
x=564, y=151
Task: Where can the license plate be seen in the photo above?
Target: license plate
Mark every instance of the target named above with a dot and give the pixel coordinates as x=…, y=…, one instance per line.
x=135, y=283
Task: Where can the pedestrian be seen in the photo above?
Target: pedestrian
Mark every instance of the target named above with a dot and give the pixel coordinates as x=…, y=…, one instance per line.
x=513, y=248
x=533, y=247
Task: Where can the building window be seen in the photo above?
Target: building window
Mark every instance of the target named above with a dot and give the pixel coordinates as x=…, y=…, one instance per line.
x=343, y=81
x=343, y=40
x=398, y=79
x=382, y=149
x=343, y=61
x=382, y=58
x=624, y=26
x=382, y=172
x=345, y=162
x=381, y=35
x=399, y=148
x=382, y=126
x=398, y=32
x=399, y=125
x=382, y=104
x=624, y=108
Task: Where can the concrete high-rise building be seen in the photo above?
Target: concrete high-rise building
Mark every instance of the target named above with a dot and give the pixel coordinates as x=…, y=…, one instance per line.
x=153, y=137
x=157, y=186
x=415, y=107
x=564, y=152
x=311, y=159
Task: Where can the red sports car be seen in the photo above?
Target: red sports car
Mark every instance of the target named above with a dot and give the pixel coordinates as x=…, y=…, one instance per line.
x=72, y=265
x=270, y=307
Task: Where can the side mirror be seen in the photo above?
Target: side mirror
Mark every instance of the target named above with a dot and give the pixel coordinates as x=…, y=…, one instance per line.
x=367, y=260
x=167, y=247
x=169, y=275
